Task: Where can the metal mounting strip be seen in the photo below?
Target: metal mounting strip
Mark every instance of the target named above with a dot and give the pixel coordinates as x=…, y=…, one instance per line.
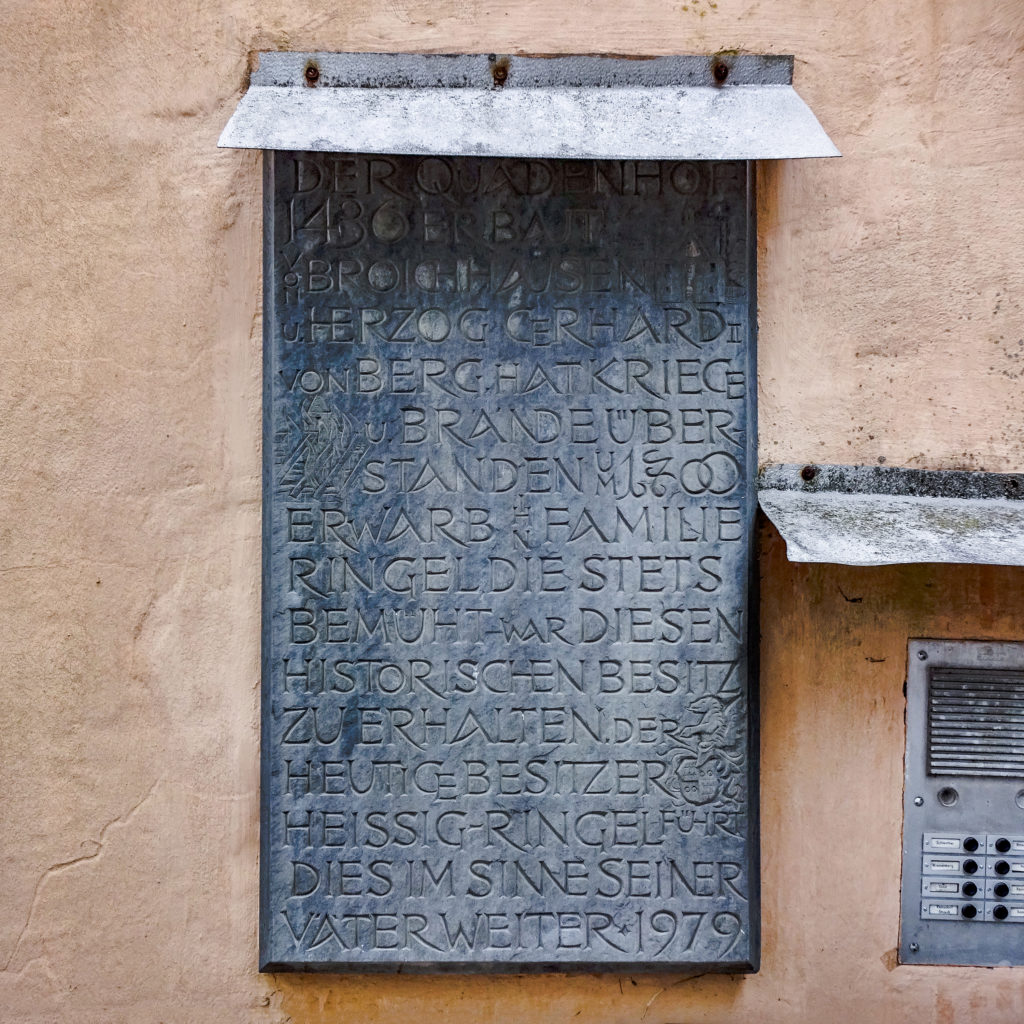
x=720, y=107
x=865, y=515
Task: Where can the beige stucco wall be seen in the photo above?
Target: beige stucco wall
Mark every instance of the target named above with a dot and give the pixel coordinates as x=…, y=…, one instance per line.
x=892, y=328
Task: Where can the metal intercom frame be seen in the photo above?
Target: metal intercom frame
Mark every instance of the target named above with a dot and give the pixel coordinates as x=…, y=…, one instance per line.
x=963, y=814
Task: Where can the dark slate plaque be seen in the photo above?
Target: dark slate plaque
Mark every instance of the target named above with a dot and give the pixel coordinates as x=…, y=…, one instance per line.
x=508, y=508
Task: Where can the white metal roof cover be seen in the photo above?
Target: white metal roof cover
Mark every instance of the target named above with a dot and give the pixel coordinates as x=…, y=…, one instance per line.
x=658, y=108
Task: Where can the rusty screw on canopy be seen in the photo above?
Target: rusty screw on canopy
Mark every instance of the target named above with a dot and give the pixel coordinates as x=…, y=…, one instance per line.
x=499, y=69
x=808, y=473
x=720, y=71
x=312, y=74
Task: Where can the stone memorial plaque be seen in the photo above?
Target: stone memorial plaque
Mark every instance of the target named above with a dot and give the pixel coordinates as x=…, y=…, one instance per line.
x=508, y=509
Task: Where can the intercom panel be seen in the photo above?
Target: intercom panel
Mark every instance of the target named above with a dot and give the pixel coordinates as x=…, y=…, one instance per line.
x=963, y=816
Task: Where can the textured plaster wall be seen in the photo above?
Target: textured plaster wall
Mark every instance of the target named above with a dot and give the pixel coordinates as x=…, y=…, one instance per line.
x=891, y=328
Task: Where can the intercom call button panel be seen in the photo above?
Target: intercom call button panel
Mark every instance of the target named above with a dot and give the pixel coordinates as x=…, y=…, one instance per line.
x=972, y=877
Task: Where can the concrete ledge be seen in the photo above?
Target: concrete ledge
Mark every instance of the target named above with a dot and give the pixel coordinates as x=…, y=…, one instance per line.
x=864, y=515
x=720, y=107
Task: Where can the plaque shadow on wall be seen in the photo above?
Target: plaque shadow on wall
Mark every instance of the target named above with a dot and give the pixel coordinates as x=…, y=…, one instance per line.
x=509, y=636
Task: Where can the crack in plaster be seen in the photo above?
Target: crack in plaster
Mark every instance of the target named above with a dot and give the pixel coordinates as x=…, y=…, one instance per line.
x=199, y=794
x=661, y=991
x=54, y=869
x=73, y=564
x=43, y=962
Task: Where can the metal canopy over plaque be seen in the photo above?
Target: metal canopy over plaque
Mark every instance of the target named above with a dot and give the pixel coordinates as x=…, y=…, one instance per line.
x=509, y=445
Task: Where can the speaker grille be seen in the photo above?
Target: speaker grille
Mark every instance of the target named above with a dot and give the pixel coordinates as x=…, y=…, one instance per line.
x=976, y=722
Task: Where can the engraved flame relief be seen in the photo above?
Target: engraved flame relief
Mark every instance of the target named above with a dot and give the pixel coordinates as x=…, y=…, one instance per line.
x=508, y=531
x=319, y=450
